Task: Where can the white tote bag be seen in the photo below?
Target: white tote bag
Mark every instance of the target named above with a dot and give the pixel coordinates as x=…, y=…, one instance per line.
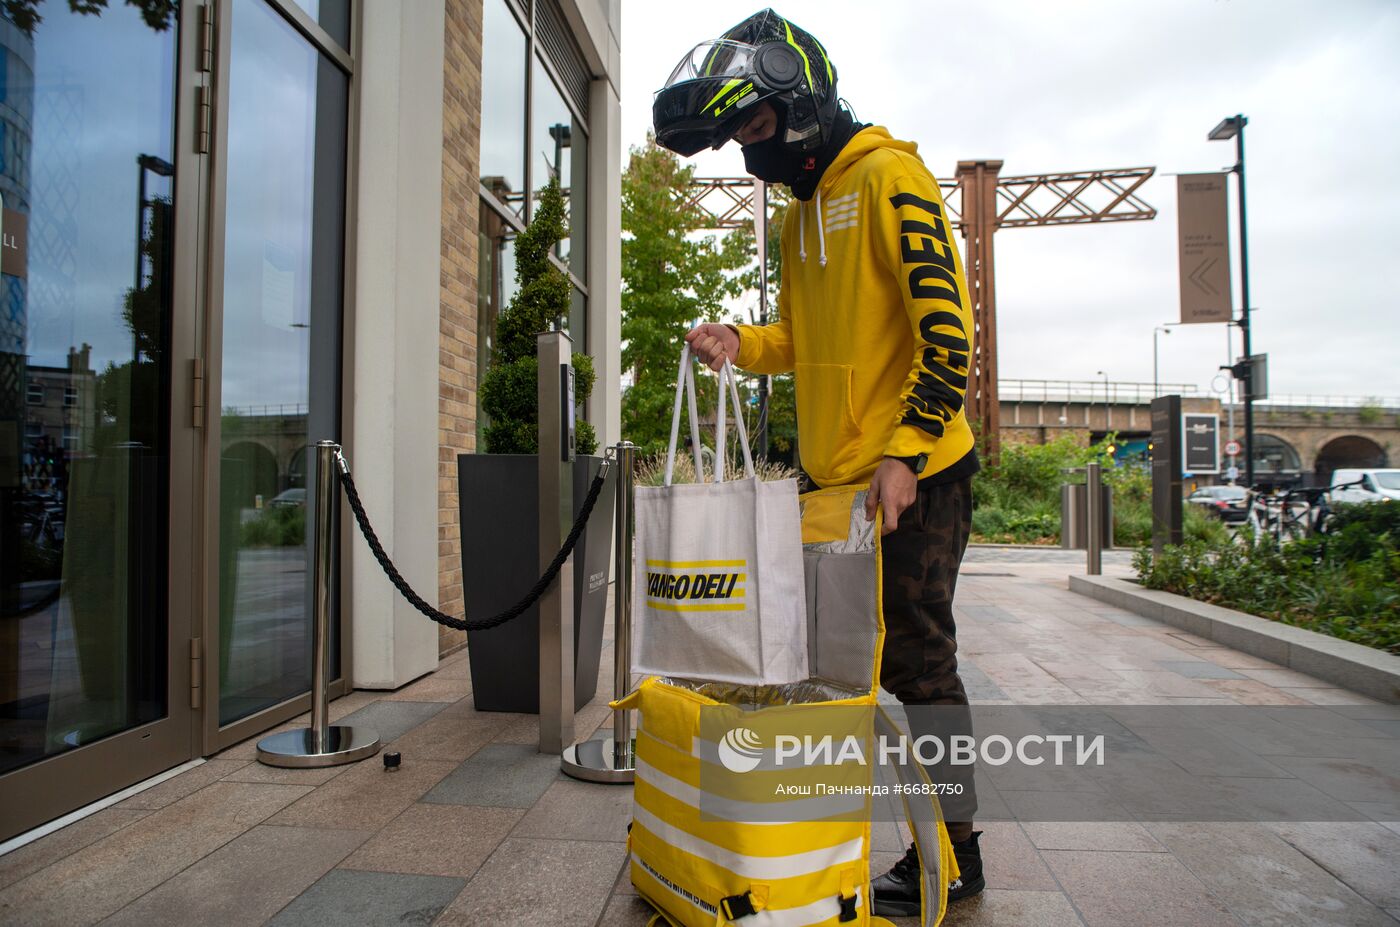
x=718, y=591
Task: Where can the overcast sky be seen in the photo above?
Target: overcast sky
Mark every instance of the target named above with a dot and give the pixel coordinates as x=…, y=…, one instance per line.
x=1083, y=85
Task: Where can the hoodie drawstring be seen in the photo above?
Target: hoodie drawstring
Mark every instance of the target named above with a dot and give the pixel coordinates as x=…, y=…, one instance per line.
x=802, y=232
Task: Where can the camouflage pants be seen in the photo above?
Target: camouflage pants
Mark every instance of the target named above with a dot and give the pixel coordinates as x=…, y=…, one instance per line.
x=920, y=664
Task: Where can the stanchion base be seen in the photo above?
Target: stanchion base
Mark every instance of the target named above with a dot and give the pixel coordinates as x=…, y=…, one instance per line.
x=298, y=749
x=594, y=761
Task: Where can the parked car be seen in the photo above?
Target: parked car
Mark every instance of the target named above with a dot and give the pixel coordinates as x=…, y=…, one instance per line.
x=294, y=498
x=1226, y=503
x=1376, y=485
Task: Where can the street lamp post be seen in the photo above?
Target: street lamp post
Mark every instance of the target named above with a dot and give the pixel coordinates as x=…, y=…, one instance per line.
x=1156, y=389
x=1233, y=127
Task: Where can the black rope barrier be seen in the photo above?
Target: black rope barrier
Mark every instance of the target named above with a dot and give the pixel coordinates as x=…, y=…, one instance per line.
x=465, y=624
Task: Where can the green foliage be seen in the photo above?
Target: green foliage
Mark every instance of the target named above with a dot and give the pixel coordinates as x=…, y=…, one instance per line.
x=510, y=389
x=1370, y=412
x=672, y=277
x=1017, y=500
x=276, y=526
x=1346, y=584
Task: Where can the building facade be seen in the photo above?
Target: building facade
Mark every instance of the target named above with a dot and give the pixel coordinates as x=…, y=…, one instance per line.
x=233, y=229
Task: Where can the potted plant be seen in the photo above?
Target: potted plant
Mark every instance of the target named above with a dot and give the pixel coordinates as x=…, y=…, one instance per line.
x=498, y=491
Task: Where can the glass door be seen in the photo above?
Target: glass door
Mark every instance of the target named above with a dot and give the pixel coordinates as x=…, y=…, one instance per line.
x=279, y=243
x=99, y=198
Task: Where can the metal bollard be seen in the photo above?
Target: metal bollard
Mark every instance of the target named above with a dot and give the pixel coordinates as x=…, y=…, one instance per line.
x=322, y=744
x=1093, y=514
x=610, y=760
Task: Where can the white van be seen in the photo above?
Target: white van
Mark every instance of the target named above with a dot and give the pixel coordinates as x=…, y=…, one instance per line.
x=1375, y=485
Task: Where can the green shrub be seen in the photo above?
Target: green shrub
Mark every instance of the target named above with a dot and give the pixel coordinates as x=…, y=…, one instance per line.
x=1346, y=583
x=509, y=391
x=276, y=526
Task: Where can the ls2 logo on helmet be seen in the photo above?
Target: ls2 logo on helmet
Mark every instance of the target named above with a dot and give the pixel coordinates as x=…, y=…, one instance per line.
x=740, y=750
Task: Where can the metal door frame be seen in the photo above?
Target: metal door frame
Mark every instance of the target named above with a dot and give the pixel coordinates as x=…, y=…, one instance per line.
x=212, y=736
x=47, y=789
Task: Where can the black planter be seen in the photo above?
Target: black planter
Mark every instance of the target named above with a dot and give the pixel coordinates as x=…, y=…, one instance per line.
x=499, y=509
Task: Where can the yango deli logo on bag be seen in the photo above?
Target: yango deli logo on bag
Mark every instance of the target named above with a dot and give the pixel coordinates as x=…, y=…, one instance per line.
x=696, y=585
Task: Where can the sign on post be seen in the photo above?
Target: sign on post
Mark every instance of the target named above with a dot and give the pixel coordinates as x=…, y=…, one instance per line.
x=1200, y=442
x=1166, y=472
x=1203, y=248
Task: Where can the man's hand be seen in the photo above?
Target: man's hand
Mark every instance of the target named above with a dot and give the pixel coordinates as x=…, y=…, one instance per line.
x=712, y=343
x=893, y=486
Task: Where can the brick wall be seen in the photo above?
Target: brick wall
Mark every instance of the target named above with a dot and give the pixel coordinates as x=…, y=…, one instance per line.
x=457, y=345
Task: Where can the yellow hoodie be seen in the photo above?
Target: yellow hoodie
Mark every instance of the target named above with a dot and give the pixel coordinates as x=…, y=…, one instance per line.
x=874, y=317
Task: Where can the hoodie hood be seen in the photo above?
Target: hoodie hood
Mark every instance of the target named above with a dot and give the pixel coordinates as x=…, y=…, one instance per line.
x=865, y=141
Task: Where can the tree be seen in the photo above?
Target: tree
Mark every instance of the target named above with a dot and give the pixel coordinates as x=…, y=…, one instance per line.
x=782, y=394
x=672, y=277
x=509, y=392
x=158, y=14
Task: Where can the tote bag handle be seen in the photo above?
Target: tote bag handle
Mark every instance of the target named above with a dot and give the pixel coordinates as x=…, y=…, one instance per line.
x=685, y=386
x=727, y=377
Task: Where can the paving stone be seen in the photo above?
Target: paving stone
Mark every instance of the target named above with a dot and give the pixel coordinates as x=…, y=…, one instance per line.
x=105, y=876
x=368, y=795
x=51, y=848
x=1346, y=779
x=499, y=775
x=1142, y=889
x=1287, y=678
x=1366, y=857
x=1262, y=879
x=445, y=840
x=432, y=688
x=448, y=737
x=260, y=772
x=627, y=911
x=347, y=898
x=1000, y=906
x=391, y=720
x=1199, y=669
x=1324, y=696
x=525, y=729
x=245, y=881
x=539, y=883
x=1009, y=859
x=186, y=783
x=1167, y=683
x=1253, y=692
x=574, y=810
x=1118, y=836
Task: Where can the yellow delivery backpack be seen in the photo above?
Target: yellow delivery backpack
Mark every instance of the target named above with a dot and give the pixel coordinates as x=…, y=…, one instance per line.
x=736, y=824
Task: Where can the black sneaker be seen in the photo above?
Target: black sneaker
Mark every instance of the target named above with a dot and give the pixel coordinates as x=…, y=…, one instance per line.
x=897, y=892
x=969, y=881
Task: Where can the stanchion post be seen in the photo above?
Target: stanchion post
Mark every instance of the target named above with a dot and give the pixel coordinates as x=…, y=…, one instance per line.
x=610, y=760
x=322, y=744
x=1093, y=512
x=622, y=606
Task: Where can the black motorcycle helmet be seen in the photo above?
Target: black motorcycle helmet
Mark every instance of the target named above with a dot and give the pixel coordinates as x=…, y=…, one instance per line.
x=713, y=90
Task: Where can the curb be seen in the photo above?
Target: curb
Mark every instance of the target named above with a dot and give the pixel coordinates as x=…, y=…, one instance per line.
x=1351, y=666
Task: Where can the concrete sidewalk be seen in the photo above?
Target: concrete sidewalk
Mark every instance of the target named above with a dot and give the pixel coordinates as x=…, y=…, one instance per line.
x=478, y=828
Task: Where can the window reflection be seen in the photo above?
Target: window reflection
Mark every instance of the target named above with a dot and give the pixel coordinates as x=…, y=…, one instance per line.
x=561, y=150
x=86, y=172
x=283, y=244
x=503, y=106
x=496, y=286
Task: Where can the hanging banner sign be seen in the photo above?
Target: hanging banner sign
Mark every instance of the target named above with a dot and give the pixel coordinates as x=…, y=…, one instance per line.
x=1203, y=248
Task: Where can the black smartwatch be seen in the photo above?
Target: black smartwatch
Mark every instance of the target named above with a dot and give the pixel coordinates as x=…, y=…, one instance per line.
x=915, y=463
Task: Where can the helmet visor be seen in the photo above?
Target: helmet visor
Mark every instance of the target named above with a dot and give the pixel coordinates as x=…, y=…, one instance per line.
x=718, y=58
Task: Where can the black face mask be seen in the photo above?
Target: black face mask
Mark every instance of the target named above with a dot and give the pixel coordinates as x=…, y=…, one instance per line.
x=771, y=160
x=774, y=162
